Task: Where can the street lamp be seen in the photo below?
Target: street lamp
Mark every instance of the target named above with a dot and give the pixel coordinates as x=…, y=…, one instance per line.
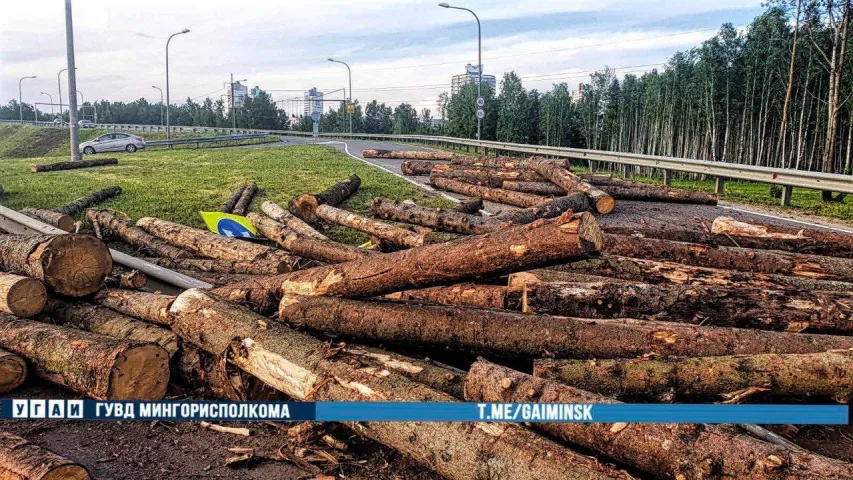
x=479, y=56
x=161, y=103
x=81, y=98
x=167, y=77
x=51, y=102
x=20, y=100
x=349, y=98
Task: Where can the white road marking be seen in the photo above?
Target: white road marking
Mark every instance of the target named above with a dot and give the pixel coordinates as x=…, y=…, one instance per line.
x=787, y=219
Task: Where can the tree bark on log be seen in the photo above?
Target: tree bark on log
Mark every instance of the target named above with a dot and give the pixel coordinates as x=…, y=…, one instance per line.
x=101, y=367
x=498, y=195
x=416, y=167
x=525, y=335
x=216, y=278
x=375, y=228
x=474, y=177
x=212, y=265
x=461, y=295
x=672, y=451
x=536, y=188
x=281, y=215
x=21, y=296
x=111, y=224
x=213, y=377
x=228, y=207
x=807, y=240
x=824, y=374
x=731, y=258
x=304, y=206
x=133, y=280
x=105, y=321
x=407, y=154
x=22, y=460
x=571, y=183
x=659, y=193
x=151, y=307
x=93, y=198
x=222, y=248
x=575, y=202
x=74, y=265
x=13, y=371
x=503, y=162
x=52, y=167
x=245, y=201
x=326, y=251
x=58, y=220
x=303, y=367
x=739, y=306
x=437, y=218
x=471, y=206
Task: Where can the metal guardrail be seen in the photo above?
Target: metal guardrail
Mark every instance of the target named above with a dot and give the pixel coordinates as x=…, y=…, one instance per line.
x=200, y=140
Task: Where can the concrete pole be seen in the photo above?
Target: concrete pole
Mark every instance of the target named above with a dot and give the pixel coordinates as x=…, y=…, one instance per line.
x=20, y=98
x=59, y=87
x=233, y=109
x=72, y=84
x=167, y=78
x=161, y=104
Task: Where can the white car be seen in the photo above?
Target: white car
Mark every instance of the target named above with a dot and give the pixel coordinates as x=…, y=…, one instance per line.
x=113, y=142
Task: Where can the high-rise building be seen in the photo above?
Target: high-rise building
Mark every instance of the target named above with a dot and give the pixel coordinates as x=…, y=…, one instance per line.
x=578, y=94
x=255, y=91
x=313, y=101
x=240, y=93
x=470, y=76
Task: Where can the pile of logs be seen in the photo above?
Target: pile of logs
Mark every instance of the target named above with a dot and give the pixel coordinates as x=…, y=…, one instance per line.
x=52, y=167
x=581, y=313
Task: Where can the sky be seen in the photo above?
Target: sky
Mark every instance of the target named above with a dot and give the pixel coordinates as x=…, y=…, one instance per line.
x=398, y=50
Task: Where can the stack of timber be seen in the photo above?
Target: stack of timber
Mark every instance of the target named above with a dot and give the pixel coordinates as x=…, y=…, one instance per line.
x=407, y=154
x=305, y=205
x=63, y=217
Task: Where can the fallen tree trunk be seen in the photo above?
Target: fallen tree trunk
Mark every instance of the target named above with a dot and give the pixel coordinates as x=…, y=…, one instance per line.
x=52, y=167
x=279, y=214
x=571, y=183
x=625, y=190
x=101, y=367
x=22, y=460
x=575, y=202
x=304, y=206
x=105, y=321
x=375, y=228
x=503, y=174
x=672, y=451
x=502, y=162
x=228, y=207
x=807, y=240
x=524, y=335
x=327, y=251
x=299, y=366
x=824, y=374
x=74, y=265
x=471, y=206
x=58, y=220
x=537, y=188
x=13, y=371
x=151, y=307
x=93, y=198
x=222, y=248
x=242, y=205
x=416, y=167
x=21, y=296
x=439, y=219
x=732, y=258
x=498, y=195
x=407, y=154
x=461, y=294
x=738, y=306
x=474, y=177
x=212, y=265
x=108, y=223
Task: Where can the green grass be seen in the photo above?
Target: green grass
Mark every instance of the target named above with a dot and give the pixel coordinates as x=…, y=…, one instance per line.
x=176, y=185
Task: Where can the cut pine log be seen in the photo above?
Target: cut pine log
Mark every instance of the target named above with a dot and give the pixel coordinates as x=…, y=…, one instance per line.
x=501, y=162
x=212, y=265
x=672, y=451
x=524, y=335
x=537, y=188
x=809, y=240
x=104, y=321
x=222, y=248
x=93, y=198
x=575, y=202
x=659, y=193
x=416, y=167
x=474, y=177
x=498, y=195
x=52, y=167
x=151, y=307
x=281, y=215
x=245, y=201
x=732, y=258
x=22, y=460
x=738, y=306
x=58, y=220
x=216, y=278
x=461, y=294
x=21, y=296
x=74, y=265
x=133, y=280
x=228, y=207
x=326, y=251
x=98, y=366
x=299, y=366
x=823, y=374
x=211, y=376
x=375, y=228
x=304, y=206
x=439, y=219
x=13, y=371
x=471, y=206
x=571, y=183
x=108, y=223
x=407, y=154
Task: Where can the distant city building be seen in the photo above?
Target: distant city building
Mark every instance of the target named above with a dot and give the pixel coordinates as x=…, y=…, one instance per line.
x=437, y=122
x=313, y=101
x=577, y=94
x=255, y=91
x=240, y=94
x=470, y=76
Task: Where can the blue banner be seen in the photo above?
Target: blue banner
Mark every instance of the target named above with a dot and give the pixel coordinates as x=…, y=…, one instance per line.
x=423, y=412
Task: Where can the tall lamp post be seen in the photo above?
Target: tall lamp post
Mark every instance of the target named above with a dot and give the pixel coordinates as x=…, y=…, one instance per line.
x=167, y=77
x=234, y=102
x=51, y=101
x=349, y=98
x=59, y=87
x=161, y=103
x=479, y=56
x=20, y=100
